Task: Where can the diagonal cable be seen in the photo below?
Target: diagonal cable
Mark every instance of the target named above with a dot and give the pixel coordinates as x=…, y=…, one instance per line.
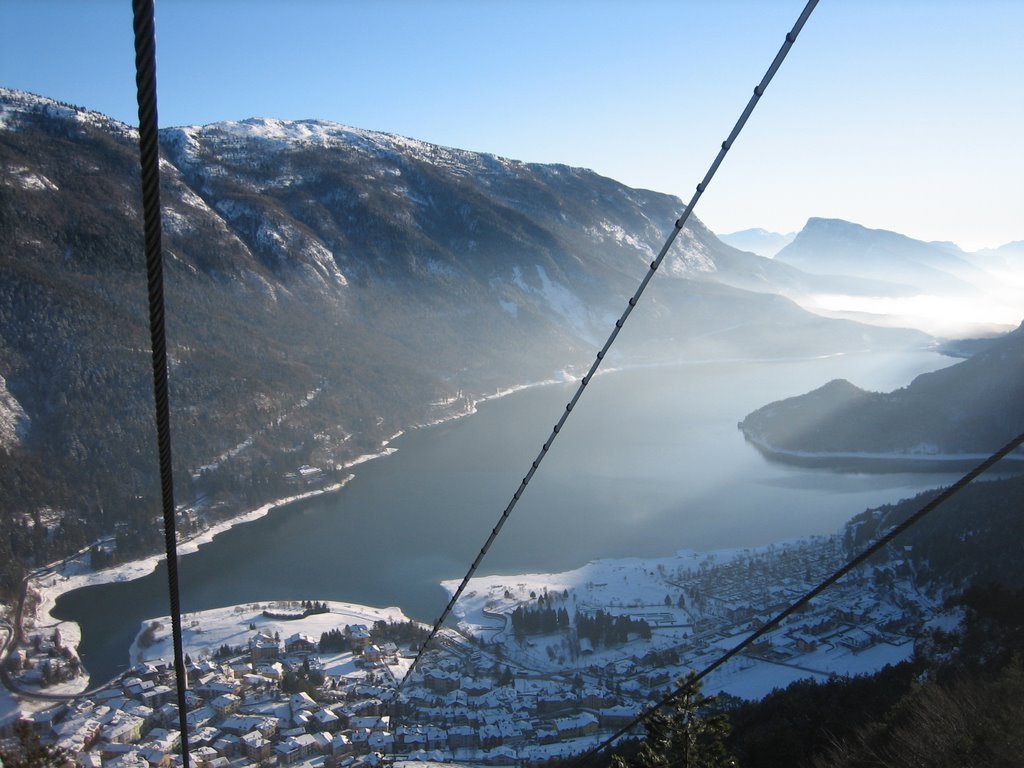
x=897, y=530
x=149, y=162
x=759, y=90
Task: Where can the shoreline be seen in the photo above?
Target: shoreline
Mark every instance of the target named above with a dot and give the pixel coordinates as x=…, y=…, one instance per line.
x=52, y=581
x=875, y=462
x=66, y=576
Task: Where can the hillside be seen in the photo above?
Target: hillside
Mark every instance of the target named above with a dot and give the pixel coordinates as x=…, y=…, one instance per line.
x=326, y=288
x=973, y=407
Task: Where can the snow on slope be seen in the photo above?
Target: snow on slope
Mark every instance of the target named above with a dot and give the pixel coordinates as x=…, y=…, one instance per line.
x=14, y=422
x=15, y=104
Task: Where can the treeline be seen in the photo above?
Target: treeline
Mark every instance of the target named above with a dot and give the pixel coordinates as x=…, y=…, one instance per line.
x=972, y=537
x=605, y=629
x=539, y=620
x=333, y=641
x=399, y=632
x=600, y=629
x=309, y=609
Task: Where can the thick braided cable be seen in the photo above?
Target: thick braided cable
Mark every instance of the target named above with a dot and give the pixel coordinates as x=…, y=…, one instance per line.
x=856, y=562
x=679, y=224
x=149, y=161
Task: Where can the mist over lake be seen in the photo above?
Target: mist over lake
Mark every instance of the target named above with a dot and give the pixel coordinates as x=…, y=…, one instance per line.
x=650, y=462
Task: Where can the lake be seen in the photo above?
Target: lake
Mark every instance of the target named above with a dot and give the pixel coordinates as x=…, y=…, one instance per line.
x=650, y=462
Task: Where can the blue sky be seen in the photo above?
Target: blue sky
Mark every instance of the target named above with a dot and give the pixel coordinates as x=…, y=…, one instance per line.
x=904, y=115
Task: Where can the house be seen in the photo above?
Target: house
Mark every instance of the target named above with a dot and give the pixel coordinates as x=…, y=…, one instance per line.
x=300, y=643
x=301, y=701
x=341, y=745
x=78, y=733
x=270, y=669
x=358, y=637
x=197, y=718
x=439, y=681
x=577, y=725
x=123, y=729
x=157, y=696
x=325, y=720
x=381, y=741
x=130, y=757
x=226, y=704
x=857, y=640
x=256, y=747
x=804, y=643
x=228, y=745
x=291, y=750
x=595, y=698
x=243, y=724
x=474, y=687
x=501, y=756
x=263, y=646
x=163, y=739
x=203, y=755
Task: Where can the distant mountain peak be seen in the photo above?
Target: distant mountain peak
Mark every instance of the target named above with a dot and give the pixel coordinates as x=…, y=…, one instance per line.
x=837, y=246
x=758, y=240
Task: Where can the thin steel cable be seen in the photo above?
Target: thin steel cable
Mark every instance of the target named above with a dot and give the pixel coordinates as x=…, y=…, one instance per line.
x=759, y=90
x=149, y=162
x=856, y=562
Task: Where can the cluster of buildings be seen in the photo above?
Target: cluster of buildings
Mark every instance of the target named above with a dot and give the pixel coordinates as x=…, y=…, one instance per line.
x=45, y=660
x=244, y=710
x=288, y=702
x=871, y=606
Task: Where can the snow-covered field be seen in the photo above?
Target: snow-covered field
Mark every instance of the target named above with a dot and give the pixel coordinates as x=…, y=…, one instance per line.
x=206, y=631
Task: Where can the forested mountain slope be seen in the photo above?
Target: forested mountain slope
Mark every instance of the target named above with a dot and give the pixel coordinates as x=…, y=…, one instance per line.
x=326, y=287
x=975, y=406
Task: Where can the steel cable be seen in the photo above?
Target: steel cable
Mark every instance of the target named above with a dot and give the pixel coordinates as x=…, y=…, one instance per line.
x=759, y=90
x=795, y=606
x=149, y=162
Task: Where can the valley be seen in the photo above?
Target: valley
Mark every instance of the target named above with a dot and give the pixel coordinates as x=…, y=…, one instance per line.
x=368, y=334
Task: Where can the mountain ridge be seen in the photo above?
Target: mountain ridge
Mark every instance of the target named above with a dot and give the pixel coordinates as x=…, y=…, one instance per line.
x=972, y=407
x=837, y=246
x=319, y=300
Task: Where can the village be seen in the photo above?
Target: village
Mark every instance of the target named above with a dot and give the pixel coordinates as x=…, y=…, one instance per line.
x=539, y=667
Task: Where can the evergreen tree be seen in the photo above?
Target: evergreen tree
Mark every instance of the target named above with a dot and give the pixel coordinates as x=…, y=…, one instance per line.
x=25, y=751
x=686, y=735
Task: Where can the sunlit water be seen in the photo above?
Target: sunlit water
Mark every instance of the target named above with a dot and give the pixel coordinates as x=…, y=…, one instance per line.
x=650, y=462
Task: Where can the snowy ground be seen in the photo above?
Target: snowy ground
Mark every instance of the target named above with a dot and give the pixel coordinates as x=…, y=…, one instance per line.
x=751, y=678
x=206, y=631
x=639, y=588
x=74, y=573
x=50, y=583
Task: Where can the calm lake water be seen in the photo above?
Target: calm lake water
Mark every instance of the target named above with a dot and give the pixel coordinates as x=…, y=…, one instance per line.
x=651, y=462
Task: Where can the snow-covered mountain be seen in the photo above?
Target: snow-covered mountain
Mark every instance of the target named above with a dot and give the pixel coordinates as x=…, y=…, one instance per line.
x=326, y=287
x=759, y=241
